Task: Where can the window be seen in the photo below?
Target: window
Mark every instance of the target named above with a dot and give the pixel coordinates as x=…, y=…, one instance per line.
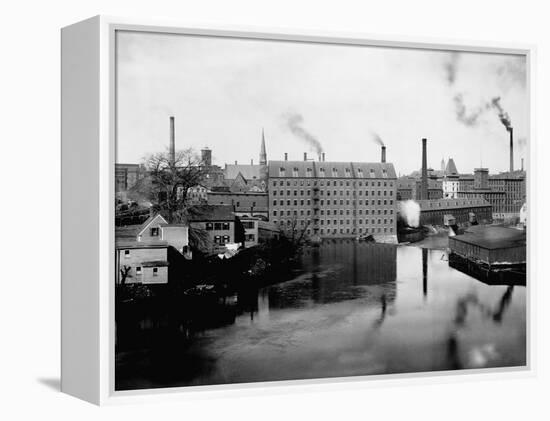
x=309, y=172
x=348, y=172
x=126, y=253
x=334, y=172
x=210, y=226
x=155, y=271
x=154, y=231
x=372, y=175
x=138, y=270
x=281, y=172
x=321, y=172
x=226, y=239
x=295, y=172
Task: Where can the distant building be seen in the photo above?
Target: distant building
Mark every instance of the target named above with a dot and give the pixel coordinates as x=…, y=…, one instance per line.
x=505, y=192
x=249, y=203
x=438, y=212
x=126, y=177
x=409, y=188
x=450, y=182
x=220, y=225
x=258, y=231
x=334, y=199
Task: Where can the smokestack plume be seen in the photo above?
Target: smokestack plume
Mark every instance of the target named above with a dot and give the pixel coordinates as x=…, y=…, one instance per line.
x=424, y=182
x=172, y=142
x=305, y=156
x=383, y=160
x=286, y=156
x=294, y=123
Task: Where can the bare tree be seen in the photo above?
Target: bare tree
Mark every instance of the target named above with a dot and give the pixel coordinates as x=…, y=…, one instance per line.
x=167, y=182
x=297, y=235
x=124, y=274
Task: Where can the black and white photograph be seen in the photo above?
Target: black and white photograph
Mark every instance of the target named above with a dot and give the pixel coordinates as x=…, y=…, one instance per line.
x=291, y=210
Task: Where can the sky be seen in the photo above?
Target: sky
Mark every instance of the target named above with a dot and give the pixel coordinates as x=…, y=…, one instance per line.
x=224, y=91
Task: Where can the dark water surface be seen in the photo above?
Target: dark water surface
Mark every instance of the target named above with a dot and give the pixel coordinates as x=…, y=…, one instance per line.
x=354, y=309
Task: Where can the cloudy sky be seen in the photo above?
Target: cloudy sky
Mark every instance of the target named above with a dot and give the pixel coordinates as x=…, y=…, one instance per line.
x=223, y=91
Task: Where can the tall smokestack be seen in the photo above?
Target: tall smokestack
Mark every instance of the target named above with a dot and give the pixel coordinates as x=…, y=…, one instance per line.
x=323, y=155
x=511, y=130
x=286, y=156
x=305, y=156
x=172, y=142
x=424, y=182
x=522, y=164
x=383, y=154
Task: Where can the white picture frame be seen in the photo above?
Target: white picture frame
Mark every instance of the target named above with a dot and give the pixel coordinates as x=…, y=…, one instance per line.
x=88, y=151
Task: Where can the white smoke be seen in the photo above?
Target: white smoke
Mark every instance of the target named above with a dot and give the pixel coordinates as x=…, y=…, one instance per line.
x=410, y=212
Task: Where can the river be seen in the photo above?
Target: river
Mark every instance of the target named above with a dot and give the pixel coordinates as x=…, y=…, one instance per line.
x=351, y=309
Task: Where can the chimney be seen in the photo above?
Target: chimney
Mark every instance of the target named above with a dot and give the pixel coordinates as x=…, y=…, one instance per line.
x=251, y=162
x=323, y=155
x=172, y=142
x=206, y=157
x=522, y=164
x=424, y=181
x=286, y=156
x=235, y=162
x=511, y=130
x=305, y=156
x=383, y=154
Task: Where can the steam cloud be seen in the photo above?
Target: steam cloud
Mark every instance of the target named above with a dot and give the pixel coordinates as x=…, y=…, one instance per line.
x=410, y=212
x=450, y=66
x=468, y=117
x=376, y=137
x=502, y=115
x=294, y=122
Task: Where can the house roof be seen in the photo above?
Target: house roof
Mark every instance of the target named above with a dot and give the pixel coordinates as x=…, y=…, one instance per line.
x=149, y=221
x=440, y=204
x=330, y=169
x=211, y=213
x=249, y=172
x=451, y=167
x=493, y=237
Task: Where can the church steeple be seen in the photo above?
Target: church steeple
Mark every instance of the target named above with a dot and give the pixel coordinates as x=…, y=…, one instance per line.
x=263, y=154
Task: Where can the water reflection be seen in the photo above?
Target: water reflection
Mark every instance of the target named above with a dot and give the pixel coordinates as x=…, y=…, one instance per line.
x=351, y=309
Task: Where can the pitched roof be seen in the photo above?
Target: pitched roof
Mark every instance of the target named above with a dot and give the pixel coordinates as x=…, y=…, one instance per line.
x=440, y=204
x=451, y=167
x=158, y=217
x=211, y=213
x=330, y=169
x=249, y=172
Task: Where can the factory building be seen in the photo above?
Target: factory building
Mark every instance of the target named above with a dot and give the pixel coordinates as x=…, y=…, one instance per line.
x=334, y=199
x=450, y=182
x=438, y=212
x=505, y=192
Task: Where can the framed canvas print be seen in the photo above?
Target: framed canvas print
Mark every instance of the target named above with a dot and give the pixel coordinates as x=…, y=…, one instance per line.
x=245, y=208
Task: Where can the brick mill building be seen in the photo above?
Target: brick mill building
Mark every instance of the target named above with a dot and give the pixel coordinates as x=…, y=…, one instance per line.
x=334, y=199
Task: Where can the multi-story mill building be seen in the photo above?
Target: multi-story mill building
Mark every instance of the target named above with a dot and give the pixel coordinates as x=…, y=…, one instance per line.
x=334, y=199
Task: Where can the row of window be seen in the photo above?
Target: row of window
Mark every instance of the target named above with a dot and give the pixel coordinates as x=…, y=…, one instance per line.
x=334, y=192
x=333, y=212
x=217, y=226
x=335, y=231
x=374, y=221
x=334, y=172
x=221, y=239
x=347, y=202
x=334, y=183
